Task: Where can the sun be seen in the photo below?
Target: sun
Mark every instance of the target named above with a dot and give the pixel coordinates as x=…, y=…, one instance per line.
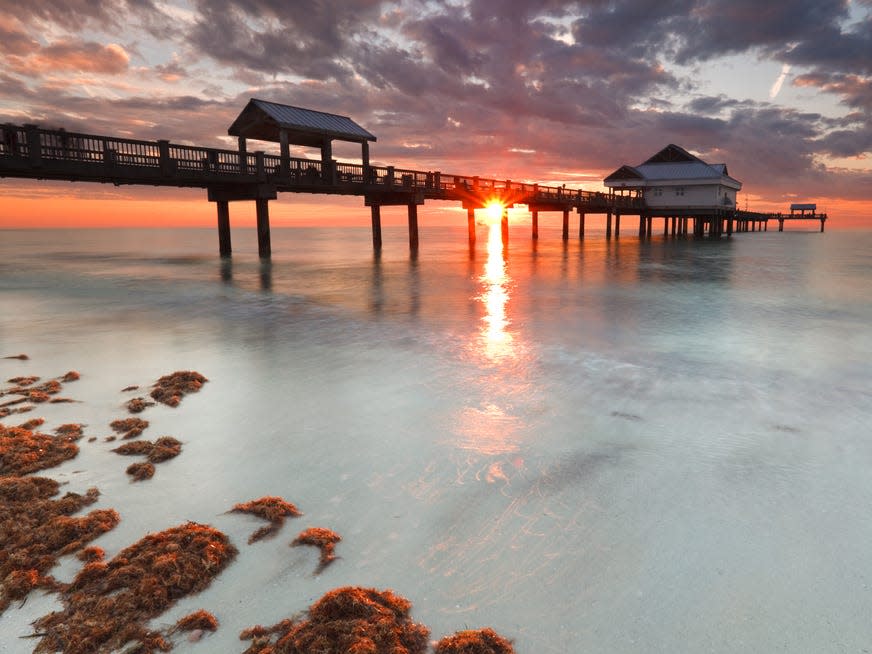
x=494, y=211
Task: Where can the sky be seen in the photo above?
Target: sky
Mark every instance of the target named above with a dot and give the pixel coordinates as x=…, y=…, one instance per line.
x=542, y=91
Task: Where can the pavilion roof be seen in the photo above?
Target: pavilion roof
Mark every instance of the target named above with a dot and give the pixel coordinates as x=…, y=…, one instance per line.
x=262, y=120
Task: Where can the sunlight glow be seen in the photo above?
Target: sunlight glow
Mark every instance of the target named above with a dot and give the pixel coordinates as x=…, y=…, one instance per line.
x=493, y=213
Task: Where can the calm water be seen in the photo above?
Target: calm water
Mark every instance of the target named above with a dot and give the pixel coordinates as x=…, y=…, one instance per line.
x=600, y=447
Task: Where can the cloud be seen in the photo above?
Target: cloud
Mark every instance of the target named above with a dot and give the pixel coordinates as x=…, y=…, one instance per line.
x=91, y=57
x=545, y=85
x=779, y=82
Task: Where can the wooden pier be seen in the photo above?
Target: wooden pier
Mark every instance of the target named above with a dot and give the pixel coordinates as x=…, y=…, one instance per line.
x=28, y=151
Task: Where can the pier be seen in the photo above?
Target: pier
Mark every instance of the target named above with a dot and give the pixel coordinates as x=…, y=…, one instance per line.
x=28, y=151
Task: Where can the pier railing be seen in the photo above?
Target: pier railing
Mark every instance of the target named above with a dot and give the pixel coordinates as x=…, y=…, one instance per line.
x=30, y=151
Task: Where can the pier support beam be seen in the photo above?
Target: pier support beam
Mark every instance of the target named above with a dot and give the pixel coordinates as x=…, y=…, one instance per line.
x=641, y=226
x=649, y=223
x=581, y=226
x=264, y=249
x=617, y=224
x=535, y=223
x=504, y=227
x=665, y=225
x=470, y=224
x=375, y=210
x=413, y=227
x=566, y=224
x=224, y=248
x=608, y=224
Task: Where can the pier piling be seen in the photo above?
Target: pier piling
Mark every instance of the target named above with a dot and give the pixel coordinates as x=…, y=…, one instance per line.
x=264, y=249
x=413, y=227
x=375, y=211
x=224, y=248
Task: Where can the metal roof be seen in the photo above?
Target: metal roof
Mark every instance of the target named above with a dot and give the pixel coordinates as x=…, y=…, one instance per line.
x=672, y=163
x=684, y=170
x=264, y=121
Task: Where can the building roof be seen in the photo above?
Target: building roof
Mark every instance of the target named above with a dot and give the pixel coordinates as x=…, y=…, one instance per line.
x=263, y=121
x=672, y=163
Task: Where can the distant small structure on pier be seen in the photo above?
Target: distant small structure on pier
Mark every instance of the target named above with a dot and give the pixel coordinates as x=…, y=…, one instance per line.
x=800, y=211
x=675, y=179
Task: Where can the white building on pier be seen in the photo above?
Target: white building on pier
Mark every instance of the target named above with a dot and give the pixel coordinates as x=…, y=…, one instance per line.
x=675, y=179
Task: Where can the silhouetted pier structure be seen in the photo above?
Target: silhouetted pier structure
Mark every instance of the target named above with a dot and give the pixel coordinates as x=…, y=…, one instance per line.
x=28, y=151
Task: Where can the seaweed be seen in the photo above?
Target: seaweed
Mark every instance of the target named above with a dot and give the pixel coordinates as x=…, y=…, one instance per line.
x=141, y=471
x=130, y=388
x=198, y=620
x=108, y=604
x=271, y=508
x=23, y=381
x=71, y=376
x=346, y=620
x=324, y=539
x=32, y=424
x=138, y=405
x=91, y=554
x=165, y=447
x=474, y=641
x=170, y=389
x=23, y=451
x=35, y=529
x=129, y=427
x=22, y=357
x=70, y=431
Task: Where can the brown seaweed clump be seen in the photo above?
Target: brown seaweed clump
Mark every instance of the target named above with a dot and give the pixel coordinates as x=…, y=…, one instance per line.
x=109, y=604
x=21, y=357
x=141, y=471
x=165, y=447
x=138, y=405
x=324, y=539
x=474, y=641
x=71, y=376
x=202, y=620
x=35, y=530
x=271, y=508
x=170, y=389
x=91, y=554
x=23, y=451
x=23, y=381
x=71, y=430
x=346, y=620
x=129, y=427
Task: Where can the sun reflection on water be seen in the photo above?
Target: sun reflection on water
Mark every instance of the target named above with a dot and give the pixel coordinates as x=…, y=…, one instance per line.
x=497, y=340
x=492, y=426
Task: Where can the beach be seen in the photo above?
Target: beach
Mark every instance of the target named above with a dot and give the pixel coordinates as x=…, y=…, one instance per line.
x=599, y=446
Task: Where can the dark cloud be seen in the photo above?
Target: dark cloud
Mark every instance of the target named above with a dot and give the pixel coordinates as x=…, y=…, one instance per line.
x=854, y=90
x=515, y=89
x=306, y=38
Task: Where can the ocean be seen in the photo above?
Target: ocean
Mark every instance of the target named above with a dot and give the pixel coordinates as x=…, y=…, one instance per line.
x=594, y=446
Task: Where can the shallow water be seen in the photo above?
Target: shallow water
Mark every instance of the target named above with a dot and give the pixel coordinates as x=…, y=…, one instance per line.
x=599, y=446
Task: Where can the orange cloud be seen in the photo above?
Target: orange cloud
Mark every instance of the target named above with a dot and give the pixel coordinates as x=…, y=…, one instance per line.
x=90, y=57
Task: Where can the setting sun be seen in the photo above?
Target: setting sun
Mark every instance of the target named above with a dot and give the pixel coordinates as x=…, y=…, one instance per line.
x=493, y=212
